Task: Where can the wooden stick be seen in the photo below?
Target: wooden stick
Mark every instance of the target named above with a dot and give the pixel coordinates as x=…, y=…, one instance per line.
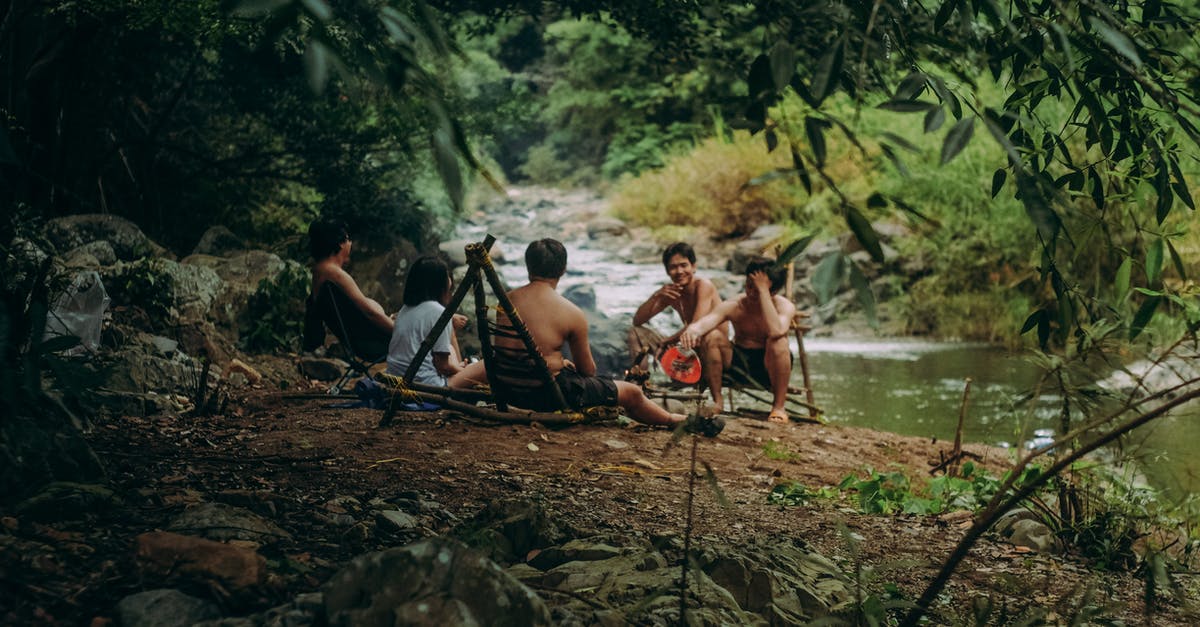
x=512, y=415
x=485, y=334
x=444, y=319
x=808, y=392
x=956, y=453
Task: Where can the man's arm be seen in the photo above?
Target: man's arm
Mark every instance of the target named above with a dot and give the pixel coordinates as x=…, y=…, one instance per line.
x=372, y=309
x=577, y=340
x=444, y=365
x=657, y=302
x=777, y=311
x=691, y=334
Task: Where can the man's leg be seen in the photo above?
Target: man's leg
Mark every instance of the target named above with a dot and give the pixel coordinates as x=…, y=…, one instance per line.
x=641, y=409
x=716, y=353
x=778, y=360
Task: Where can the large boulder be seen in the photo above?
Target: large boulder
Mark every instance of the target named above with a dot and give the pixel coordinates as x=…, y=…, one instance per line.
x=380, y=274
x=218, y=521
x=436, y=581
x=218, y=241
x=127, y=240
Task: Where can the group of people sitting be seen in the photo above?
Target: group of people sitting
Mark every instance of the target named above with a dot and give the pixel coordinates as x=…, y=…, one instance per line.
x=760, y=319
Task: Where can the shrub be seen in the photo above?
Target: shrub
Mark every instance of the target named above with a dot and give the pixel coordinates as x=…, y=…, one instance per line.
x=707, y=187
x=275, y=314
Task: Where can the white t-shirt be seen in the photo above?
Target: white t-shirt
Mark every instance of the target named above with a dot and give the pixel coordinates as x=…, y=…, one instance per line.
x=413, y=325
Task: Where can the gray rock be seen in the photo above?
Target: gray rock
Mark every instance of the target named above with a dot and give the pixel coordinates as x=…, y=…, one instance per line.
x=217, y=241
x=217, y=521
x=456, y=252
x=163, y=608
x=1034, y=535
x=127, y=240
x=574, y=551
x=322, y=368
x=164, y=345
x=394, y=520
x=598, y=228
x=583, y=296
x=432, y=582
x=66, y=500
x=90, y=255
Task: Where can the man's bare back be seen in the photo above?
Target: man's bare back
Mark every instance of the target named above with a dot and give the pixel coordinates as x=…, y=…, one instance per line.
x=552, y=320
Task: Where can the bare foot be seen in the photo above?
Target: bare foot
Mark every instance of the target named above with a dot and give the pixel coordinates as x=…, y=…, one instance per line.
x=777, y=416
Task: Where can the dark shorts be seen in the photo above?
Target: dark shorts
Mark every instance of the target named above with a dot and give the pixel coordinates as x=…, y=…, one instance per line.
x=749, y=368
x=578, y=390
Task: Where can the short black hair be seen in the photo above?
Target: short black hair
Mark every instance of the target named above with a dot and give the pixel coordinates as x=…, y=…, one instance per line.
x=679, y=248
x=546, y=258
x=428, y=278
x=770, y=268
x=325, y=237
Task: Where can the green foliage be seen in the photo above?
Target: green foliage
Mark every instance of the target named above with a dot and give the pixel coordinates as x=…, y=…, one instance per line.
x=708, y=188
x=794, y=493
x=891, y=493
x=146, y=285
x=274, y=318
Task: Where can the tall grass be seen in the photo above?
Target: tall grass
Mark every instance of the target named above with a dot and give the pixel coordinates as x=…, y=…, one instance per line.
x=706, y=187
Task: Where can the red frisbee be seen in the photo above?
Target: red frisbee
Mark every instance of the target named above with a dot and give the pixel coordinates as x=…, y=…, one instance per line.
x=682, y=365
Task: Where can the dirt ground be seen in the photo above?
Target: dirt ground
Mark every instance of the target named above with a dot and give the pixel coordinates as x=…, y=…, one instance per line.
x=304, y=457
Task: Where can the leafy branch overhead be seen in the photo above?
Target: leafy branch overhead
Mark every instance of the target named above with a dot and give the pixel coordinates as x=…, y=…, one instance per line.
x=1126, y=74
x=402, y=50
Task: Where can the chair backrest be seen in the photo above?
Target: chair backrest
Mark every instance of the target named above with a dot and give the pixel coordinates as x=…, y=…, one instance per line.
x=522, y=374
x=350, y=324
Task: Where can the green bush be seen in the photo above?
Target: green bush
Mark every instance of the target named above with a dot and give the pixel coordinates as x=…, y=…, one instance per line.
x=707, y=187
x=274, y=318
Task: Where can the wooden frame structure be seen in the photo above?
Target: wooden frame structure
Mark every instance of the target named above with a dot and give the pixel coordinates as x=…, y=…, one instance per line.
x=479, y=270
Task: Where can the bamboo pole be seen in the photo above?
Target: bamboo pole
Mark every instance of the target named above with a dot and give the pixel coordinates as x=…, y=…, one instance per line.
x=511, y=415
x=447, y=314
x=485, y=336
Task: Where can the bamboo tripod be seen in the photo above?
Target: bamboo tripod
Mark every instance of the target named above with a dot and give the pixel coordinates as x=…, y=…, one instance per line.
x=479, y=269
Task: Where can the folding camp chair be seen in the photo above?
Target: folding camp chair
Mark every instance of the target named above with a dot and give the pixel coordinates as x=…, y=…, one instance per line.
x=366, y=345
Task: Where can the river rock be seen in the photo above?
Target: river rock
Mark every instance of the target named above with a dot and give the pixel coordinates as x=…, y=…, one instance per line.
x=584, y=297
x=1035, y=535
x=66, y=500
x=436, y=581
x=164, y=608
x=380, y=273
x=322, y=368
x=162, y=555
x=218, y=521
x=90, y=255
x=598, y=228
x=455, y=253
x=506, y=531
x=127, y=240
x=218, y=241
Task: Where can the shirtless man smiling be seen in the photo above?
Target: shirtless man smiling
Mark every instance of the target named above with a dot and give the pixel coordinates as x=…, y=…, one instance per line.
x=689, y=295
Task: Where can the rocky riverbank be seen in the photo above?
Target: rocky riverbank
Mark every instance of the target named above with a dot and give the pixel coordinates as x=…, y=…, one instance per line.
x=231, y=494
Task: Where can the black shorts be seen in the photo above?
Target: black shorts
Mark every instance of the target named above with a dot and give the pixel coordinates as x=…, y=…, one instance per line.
x=749, y=368
x=579, y=392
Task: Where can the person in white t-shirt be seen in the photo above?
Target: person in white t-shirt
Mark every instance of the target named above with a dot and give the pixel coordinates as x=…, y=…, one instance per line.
x=426, y=292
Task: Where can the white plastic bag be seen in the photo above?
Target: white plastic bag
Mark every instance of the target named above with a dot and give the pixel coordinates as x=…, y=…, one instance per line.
x=79, y=311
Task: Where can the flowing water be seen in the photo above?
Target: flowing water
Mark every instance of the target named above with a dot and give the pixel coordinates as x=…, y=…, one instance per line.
x=908, y=386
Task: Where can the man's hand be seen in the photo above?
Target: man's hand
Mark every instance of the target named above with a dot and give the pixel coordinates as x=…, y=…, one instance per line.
x=760, y=282
x=689, y=339
x=669, y=293
x=459, y=321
